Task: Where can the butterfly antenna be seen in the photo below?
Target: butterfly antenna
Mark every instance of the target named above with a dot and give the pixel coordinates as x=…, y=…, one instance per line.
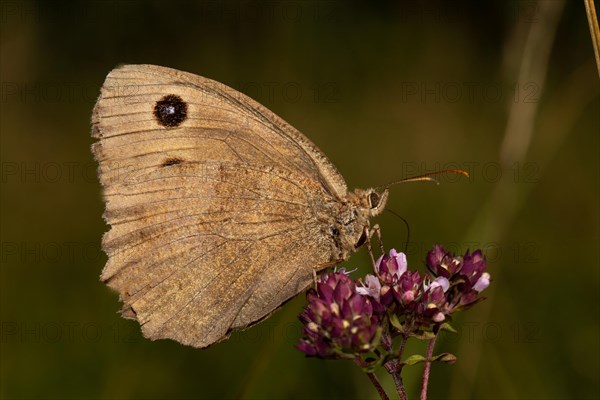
x=407, y=228
x=425, y=178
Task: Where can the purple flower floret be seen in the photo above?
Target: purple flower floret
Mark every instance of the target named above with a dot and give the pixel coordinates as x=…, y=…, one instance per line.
x=371, y=287
x=409, y=287
x=465, y=275
x=442, y=263
x=393, y=281
x=472, y=270
x=338, y=320
x=483, y=282
x=391, y=267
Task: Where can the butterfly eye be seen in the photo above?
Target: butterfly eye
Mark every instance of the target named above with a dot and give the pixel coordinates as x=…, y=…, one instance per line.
x=170, y=111
x=374, y=199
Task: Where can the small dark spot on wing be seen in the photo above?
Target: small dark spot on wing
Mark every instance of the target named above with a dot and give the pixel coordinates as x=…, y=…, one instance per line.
x=171, y=161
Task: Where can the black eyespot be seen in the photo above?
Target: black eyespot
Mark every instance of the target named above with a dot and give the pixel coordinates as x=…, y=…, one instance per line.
x=374, y=199
x=171, y=161
x=170, y=111
x=335, y=232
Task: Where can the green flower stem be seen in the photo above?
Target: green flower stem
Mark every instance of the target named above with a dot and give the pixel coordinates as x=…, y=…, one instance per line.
x=430, y=347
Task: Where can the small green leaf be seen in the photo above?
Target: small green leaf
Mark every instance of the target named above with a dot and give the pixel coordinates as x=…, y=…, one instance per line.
x=445, y=357
x=414, y=359
x=376, y=337
x=423, y=335
x=345, y=356
x=396, y=322
x=447, y=327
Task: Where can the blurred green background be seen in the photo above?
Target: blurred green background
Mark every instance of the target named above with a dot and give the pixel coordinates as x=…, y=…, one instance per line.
x=507, y=90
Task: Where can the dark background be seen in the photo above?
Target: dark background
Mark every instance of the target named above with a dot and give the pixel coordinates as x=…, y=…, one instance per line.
x=507, y=90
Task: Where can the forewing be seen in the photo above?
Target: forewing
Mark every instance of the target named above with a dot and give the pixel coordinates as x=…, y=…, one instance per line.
x=222, y=125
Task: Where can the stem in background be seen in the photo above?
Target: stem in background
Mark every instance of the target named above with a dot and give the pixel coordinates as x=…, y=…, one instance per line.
x=594, y=30
x=427, y=368
x=520, y=126
x=373, y=378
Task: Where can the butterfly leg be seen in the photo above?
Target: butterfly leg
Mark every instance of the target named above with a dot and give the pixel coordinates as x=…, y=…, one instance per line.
x=368, y=235
x=369, y=232
x=376, y=229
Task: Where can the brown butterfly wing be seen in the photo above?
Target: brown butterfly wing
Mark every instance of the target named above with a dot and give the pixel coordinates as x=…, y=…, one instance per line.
x=214, y=221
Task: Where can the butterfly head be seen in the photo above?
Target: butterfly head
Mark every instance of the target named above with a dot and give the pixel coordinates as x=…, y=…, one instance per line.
x=369, y=202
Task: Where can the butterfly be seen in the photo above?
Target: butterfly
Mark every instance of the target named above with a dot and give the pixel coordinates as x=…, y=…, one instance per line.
x=219, y=210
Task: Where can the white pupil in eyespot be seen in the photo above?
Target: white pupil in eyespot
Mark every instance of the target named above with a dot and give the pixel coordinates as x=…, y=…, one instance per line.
x=170, y=110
